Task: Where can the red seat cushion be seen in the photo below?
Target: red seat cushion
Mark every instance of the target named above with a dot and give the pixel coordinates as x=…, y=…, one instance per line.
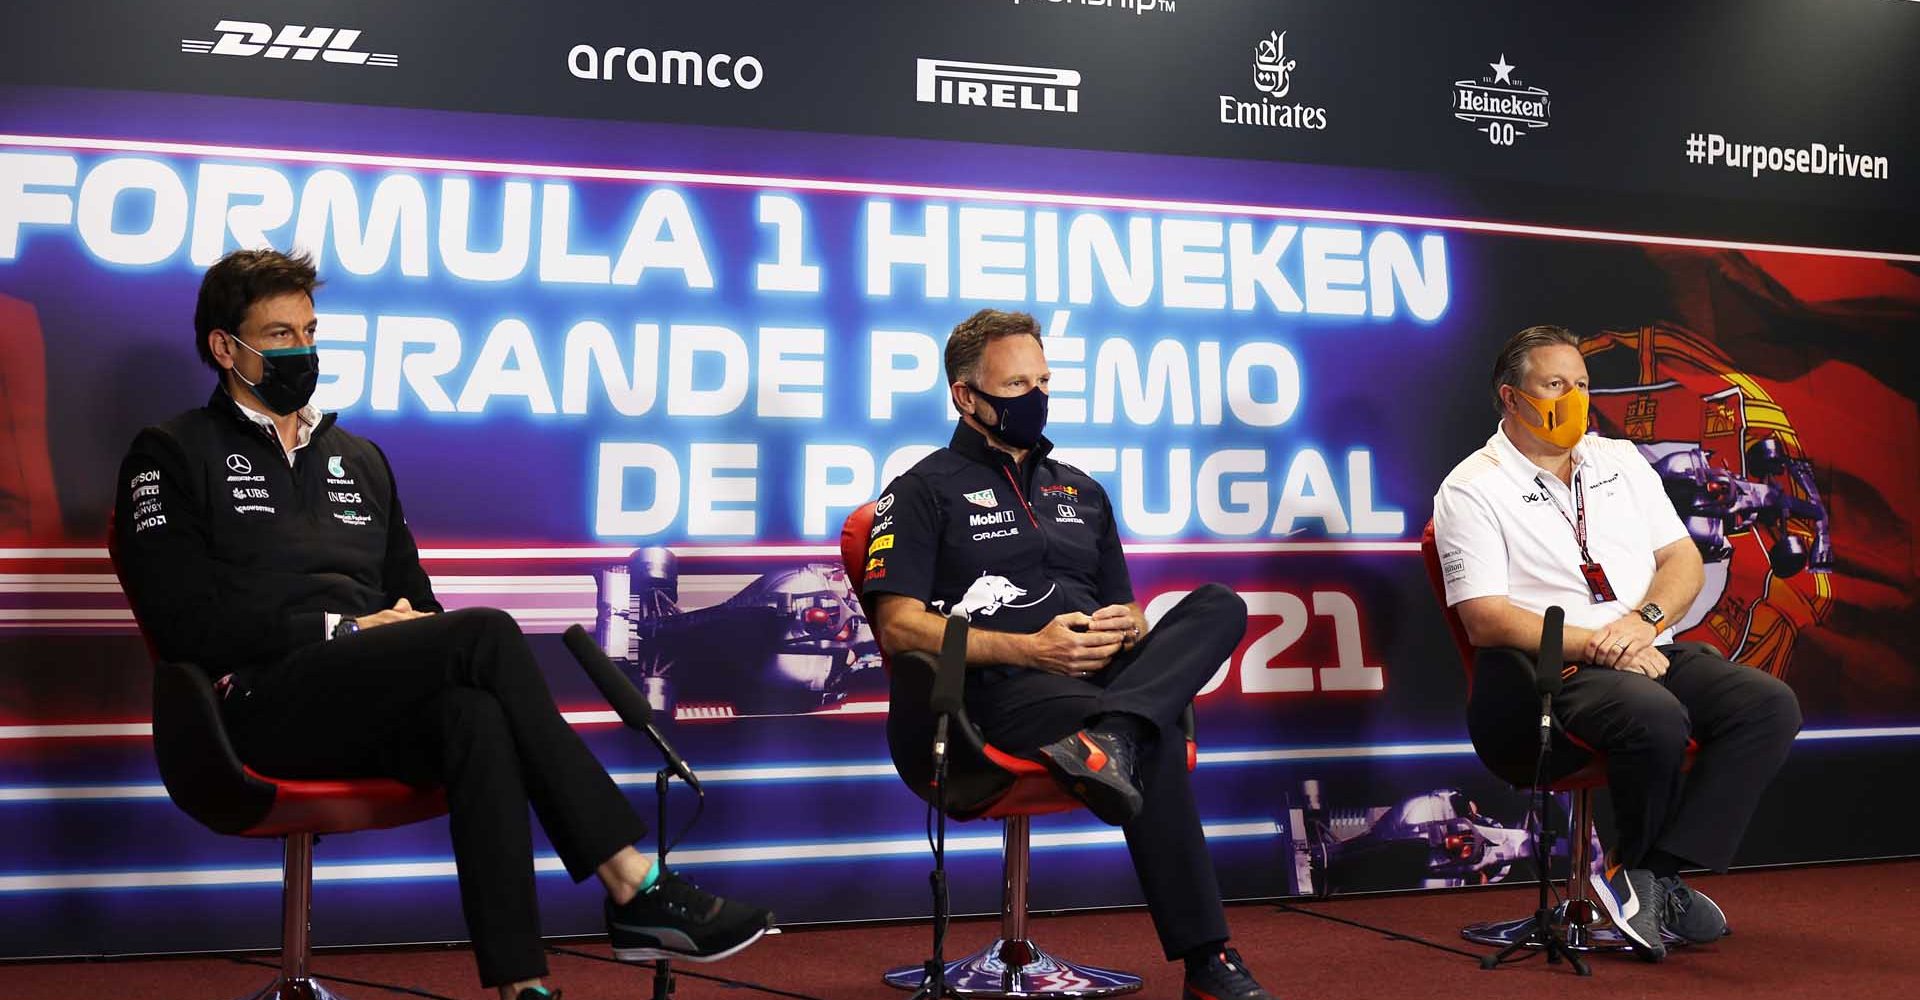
x=342, y=806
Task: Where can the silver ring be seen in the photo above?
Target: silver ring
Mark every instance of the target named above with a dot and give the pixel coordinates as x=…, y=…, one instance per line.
x=1622, y=644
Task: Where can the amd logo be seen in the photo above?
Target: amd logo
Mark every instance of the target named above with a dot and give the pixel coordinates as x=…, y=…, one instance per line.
x=992, y=85
x=252, y=38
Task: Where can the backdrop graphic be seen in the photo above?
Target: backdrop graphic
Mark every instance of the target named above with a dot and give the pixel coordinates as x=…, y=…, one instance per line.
x=633, y=375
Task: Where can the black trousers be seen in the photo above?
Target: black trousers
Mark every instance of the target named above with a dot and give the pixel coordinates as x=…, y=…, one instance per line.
x=1020, y=709
x=1744, y=720
x=454, y=699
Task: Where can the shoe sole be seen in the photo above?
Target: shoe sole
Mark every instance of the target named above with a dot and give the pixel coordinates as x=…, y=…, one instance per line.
x=1604, y=892
x=1114, y=805
x=667, y=954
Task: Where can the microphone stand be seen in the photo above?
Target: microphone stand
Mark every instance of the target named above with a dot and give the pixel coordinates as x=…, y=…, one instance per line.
x=663, y=981
x=1540, y=929
x=635, y=712
x=947, y=680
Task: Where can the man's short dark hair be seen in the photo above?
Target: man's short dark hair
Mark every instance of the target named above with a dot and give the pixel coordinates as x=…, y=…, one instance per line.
x=238, y=280
x=1509, y=367
x=969, y=340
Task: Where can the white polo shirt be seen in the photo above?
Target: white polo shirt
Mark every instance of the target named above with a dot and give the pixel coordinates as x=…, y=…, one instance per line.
x=1501, y=525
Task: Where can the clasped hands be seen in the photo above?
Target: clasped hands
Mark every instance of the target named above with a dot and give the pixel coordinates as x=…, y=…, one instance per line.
x=1078, y=644
x=1625, y=644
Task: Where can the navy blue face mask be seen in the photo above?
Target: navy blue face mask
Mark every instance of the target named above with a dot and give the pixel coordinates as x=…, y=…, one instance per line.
x=1022, y=417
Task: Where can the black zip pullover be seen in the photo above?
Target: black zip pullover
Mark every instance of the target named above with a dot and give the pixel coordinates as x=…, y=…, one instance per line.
x=232, y=559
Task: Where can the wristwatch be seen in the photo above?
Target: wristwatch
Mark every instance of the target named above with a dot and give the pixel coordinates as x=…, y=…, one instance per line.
x=1651, y=614
x=346, y=627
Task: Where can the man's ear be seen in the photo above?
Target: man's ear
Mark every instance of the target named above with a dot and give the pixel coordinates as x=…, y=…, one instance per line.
x=220, y=348
x=962, y=394
x=1510, y=403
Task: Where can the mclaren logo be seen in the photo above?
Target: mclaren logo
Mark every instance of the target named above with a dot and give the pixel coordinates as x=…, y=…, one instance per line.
x=293, y=41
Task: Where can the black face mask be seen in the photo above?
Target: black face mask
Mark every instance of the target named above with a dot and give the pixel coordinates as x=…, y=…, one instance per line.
x=1022, y=417
x=288, y=376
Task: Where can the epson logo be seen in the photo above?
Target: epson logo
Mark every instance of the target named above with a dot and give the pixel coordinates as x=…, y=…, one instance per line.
x=672, y=67
x=296, y=41
x=992, y=85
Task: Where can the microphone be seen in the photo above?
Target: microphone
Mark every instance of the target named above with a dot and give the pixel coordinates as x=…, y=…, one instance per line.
x=627, y=701
x=1546, y=669
x=949, y=676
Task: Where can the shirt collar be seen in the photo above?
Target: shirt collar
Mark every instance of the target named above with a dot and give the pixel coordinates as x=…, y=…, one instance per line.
x=1523, y=468
x=973, y=444
x=309, y=419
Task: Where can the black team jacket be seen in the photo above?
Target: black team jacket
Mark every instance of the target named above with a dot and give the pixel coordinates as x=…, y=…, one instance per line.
x=232, y=559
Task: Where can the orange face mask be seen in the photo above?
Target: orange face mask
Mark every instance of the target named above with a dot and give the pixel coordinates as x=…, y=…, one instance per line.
x=1562, y=421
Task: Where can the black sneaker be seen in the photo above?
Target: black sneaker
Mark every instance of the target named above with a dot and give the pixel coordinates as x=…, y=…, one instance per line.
x=1690, y=913
x=1097, y=768
x=1223, y=977
x=680, y=921
x=1635, y=902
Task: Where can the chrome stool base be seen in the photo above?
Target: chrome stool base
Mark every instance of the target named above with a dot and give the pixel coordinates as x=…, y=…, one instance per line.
x=303, y=988
x=988, y=975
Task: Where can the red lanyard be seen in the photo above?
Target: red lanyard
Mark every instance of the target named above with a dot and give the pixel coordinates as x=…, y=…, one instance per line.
x=1578, y=522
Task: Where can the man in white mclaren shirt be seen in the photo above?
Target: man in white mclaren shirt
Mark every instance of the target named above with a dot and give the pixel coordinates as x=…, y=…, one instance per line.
x=1546, y=514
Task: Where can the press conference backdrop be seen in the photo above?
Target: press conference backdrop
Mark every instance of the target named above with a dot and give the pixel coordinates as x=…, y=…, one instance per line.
x=643, y=299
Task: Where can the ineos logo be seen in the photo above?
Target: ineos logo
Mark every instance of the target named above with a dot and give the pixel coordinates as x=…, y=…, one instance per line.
x=239, y=465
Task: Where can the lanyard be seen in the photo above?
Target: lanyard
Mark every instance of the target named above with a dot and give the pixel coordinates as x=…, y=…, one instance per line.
x=1578, y=522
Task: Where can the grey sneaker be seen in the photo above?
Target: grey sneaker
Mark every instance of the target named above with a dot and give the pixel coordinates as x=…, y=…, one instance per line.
x=1690, y=913
x=681, y=921
x=1636, y=903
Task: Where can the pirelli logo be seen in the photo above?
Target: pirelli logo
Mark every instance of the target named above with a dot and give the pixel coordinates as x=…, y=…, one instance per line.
x=997, y=85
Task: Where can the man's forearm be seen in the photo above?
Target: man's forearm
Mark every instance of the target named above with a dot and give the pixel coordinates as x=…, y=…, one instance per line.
x=1493, y=625
x=905, y=628
x=1678, y=574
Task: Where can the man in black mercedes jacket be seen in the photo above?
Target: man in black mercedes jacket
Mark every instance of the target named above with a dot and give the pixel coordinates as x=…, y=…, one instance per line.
x=1061, y=663
x=260, y=541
